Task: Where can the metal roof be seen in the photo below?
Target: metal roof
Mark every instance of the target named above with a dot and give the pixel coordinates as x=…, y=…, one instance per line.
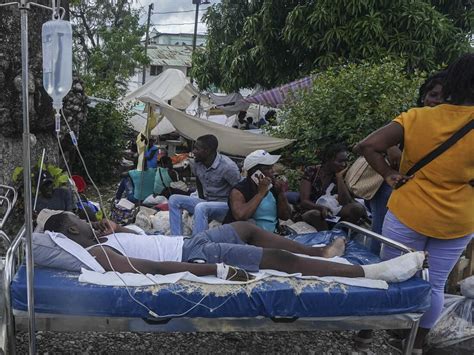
x=162, y=54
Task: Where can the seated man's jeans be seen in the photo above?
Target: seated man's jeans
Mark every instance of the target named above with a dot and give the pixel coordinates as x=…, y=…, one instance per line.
x=201, y=210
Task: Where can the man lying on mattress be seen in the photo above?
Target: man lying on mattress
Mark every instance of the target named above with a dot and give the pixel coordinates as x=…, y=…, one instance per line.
x=227, y=252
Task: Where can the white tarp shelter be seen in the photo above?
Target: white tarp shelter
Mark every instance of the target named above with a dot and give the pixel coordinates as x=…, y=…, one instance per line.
x=171, y=86
x=231, y=141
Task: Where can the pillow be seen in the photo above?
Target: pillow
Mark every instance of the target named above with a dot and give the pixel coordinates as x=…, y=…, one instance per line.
x=57, y=251
x=142, y=188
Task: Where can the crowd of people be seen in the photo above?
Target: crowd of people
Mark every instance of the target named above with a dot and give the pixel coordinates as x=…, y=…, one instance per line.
x=430, y=210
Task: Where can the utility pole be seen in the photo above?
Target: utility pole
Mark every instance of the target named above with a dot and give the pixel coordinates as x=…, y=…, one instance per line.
x=196, y=18
x=147, y=37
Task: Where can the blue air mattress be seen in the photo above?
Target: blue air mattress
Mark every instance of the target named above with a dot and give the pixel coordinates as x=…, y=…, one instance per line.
x=60, y=292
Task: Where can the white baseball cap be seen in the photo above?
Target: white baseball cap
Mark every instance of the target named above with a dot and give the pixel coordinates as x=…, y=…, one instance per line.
x=259, y=157
x=43, y=217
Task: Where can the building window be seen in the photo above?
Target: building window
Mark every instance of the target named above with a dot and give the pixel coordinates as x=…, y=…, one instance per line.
x=156, y=70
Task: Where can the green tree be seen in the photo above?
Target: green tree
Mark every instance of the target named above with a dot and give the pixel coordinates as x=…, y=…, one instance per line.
x=102, y=141
x=345, y=104
x=107, y=44
x=270, y=42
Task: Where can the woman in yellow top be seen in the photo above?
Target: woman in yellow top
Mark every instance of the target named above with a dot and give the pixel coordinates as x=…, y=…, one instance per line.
x=434, y=209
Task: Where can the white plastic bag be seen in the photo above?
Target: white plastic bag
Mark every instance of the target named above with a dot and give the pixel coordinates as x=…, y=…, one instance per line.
x=330, y=201
x=455, y=324
x=155, y=200
x=467, y=287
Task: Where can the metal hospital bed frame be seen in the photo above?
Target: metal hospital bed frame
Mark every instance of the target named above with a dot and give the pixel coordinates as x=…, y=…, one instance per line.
x=18, y=320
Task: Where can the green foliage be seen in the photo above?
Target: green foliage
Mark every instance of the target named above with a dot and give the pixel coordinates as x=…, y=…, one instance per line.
x=102, y=140
x=345, y=104
x=106, y=45
x=59, y=176
x=271, y=42
x=294, y=178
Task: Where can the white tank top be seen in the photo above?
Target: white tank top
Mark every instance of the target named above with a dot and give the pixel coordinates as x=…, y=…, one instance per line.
x=150, y=247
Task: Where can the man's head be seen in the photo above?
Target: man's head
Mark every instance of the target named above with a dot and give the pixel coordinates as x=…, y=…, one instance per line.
x=68, y=224
x=205, y=147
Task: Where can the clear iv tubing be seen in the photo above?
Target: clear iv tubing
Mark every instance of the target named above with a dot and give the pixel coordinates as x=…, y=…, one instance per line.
x=150, y=312
x=57, y=121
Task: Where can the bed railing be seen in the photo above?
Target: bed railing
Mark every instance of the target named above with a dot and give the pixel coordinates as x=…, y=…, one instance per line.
x=14, y=257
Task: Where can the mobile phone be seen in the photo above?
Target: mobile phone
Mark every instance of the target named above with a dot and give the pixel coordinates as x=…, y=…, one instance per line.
x=256, y=178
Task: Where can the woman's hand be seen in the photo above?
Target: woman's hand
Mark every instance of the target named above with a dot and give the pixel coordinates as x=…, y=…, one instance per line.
x=396, y=180
x=325, y=212
x=263, y=184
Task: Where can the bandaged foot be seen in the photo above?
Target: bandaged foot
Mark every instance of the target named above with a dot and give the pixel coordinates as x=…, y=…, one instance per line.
x=232, y=273
x=397, y=269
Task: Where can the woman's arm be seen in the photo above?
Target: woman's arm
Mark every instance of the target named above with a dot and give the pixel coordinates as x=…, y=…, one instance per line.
x=344, y=196
x=376, y=144
x=243, y=210
x=283, y=207
x=305, y=201
x=305, y=193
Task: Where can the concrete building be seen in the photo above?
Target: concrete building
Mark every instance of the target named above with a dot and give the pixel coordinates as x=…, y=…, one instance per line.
x=167, y=50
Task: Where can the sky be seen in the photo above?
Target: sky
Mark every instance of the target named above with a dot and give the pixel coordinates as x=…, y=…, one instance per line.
x=167, y=22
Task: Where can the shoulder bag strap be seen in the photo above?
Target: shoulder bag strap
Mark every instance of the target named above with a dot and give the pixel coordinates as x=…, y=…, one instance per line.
x=441, y=148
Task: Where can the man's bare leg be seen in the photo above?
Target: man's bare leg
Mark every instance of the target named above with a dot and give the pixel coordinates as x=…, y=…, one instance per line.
x=253, y=235
x=393, y=270
x=284, y=261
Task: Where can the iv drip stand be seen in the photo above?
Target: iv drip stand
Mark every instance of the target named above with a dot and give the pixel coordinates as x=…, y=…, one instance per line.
x=24, y=7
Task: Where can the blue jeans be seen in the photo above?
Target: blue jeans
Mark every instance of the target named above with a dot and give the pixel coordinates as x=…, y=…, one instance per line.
x=442, y=256
x=378, y=208
x=201, y=210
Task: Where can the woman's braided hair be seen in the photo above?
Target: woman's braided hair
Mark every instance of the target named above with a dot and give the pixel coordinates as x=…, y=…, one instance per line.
x=459, y=85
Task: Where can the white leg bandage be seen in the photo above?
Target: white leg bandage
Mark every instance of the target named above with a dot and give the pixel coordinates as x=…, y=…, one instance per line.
x=397, y=269
x=222, y=271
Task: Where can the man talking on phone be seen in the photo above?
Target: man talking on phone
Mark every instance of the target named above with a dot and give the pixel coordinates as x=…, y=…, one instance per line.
x=260, y=197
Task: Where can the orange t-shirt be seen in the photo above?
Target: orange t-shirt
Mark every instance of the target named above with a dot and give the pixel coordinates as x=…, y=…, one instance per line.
x=438, y=201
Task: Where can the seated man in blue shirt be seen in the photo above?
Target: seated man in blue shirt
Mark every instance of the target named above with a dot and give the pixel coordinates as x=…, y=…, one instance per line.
x=215, y=174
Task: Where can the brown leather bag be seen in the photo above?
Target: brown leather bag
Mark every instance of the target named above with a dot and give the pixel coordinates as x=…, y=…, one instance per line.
x=362, y=180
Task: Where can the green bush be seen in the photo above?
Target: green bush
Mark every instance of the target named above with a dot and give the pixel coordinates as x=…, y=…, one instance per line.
x=102, y=141
x=345, y=105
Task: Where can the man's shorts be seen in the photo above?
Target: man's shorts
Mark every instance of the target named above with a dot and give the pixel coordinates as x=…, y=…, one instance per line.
x=222, y=245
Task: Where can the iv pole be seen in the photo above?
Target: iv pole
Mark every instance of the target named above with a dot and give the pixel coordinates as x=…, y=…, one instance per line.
x=24, y=7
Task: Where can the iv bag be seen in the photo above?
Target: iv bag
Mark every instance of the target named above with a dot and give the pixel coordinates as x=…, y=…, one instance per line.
x=57, y=60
